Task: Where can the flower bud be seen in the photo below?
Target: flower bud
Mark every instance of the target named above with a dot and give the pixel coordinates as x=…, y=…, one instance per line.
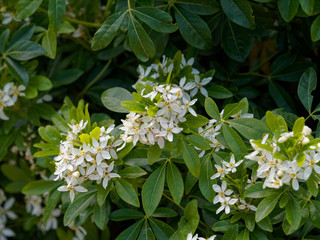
x=76, y=174
x=306, y=131
x=305, y=141
x=280, y=173
x=282, y=139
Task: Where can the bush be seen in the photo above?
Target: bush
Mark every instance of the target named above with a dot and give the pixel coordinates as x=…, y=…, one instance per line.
x=178, y=119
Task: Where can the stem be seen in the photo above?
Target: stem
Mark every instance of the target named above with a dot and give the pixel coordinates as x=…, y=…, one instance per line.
x=95, y=79
x=84, y=23
x=109, y=4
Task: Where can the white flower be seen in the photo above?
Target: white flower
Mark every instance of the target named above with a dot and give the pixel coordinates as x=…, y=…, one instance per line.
x=311, y=162
x=244, y=205
x=210, y=238
x=52, y=223
x=306, y=131
x=33, y=204
x=108, y=174
x=222, y=192
x=221, y=172
x=189, y=237
x=78, y=127
x=225, y=204
x=240, y=115
x=293, y=174
x=5, y=210
x=199, y=86
x=72, y=187
x=5, y=232
x=232, y=165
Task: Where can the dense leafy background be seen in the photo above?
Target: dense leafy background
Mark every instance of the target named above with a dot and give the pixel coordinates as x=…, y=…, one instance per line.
x=259, y=49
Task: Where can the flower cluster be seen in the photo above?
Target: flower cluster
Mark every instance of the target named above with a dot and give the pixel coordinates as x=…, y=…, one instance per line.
x=212, y=130
x=172, y=103
x=86, y=156
x=224, y=195
x=278, y=167
x=191, y=81
x=5, y=214
x=8, y=97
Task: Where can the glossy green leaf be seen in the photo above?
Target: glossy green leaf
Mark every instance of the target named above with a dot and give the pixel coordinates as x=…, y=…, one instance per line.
x=232, y=108
x=160, y=229
x=315, y=29
x=243, y=235
x=193, y=29
x=293, y=212
x=205, y=181
x=175, y=182
x=156, y=19
x=79, y=205
x=250, y=128
x=132, y=172
x=219, y=92
x=106, y=33
x=127, y=192
x=51, y=205
x=307, y=84
x=40, y=186
x=307, y=6
x=4, y=37
x=17, y=70
x=257, y=191
x=280, y=96
x=132, y=232
x=66, y=77
x=314, y=208
x=198, y=141
x=266, y=206
x=125, y=214
x=152, y=190
x=233, y=140
x=49, y=43
x=139, y=41
x=199, y=7
x=146, y=232
x=212, y=109
x=56, y=12
x=239, y=12
x=25, y=50
x=25, y=8
x=154, y=153
x=232, y=233
x=100, y=215
x=102, y=193
x=288, y=9
x=113, y=97
x=190, y=157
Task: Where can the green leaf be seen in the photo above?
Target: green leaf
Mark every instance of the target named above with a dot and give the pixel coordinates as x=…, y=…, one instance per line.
x=307, y=83
x=164, y=212
x=113, y=97
x=125, y=214
x=250, y=222
x=312, y=184
x=258, y=235
x=233, y=140
x=281, y=96
x=140, y=43
x=103, y=193
x=79, y=205
x=103, y=37
x=293, y=213
x=156, y=19
x=133, y=106
x=198, y=141
x=154, y=153
x=152, y=190
x=146, y=232
x=60, y=123
x=175, y=182
x=236, y=41
x=250, y=128
x=51, y=205
x=199, y=7
x=17, y=70
x=243, y=235
x=66, y=77
x=100, y=215
x=24, y=33
x=42, y=83
x=288, y=9
x=219, y=92
x=196, y=122
x=257, y=191
x=307, y=6
x=314, y=209
x=265, y=224
x=49, y=43
x=266, y=206
x=205, y=181
x=56, y=12
x=25, y=8
x=127, y=192
x=193, y=29
x=190, y=157
x=298, y=125
x=212, y=109
x=239, y=12
x=132, y=172
x=315, y=29
x=232, y=108
x=40, y=186
x=160, y=229
x=4, y=37
x=132, y=232
x=14, y=173
x=232, y=233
